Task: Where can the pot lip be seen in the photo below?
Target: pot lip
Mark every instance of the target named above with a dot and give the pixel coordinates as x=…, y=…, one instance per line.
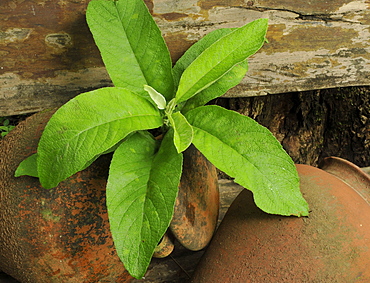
x=349, y=173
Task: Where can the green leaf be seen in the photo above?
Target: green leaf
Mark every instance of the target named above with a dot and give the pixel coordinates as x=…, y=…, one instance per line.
x=6, y=122
x=27, y=167
x=132, y=47
x=87, y=126
x=247, y=151
x=112, y=149
x=141, y=192
x=183, y=131
x=158, y=98
x=218, y=88
x=195, y=50
x=221, y=57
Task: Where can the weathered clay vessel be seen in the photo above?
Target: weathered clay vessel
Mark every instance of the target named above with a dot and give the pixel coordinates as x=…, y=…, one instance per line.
x=62, y=234
x=57, y=235
x=331, y=245
x=197, y=204
x=348, y=173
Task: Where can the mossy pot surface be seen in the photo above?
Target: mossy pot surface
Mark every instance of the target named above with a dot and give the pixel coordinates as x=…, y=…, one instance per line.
x=331, y=245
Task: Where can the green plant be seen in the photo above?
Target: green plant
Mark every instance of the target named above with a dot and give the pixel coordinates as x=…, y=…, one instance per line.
x=5, y=128
x=149, y=94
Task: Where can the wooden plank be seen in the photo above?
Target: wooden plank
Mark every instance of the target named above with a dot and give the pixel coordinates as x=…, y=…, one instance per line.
x=48, y=55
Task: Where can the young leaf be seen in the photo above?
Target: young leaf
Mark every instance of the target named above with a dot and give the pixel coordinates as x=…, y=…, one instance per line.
x=195, y=50
x=141, y=192
x=28, y=167
x=247, y=151
x=87, y=126
x=158, y=98
x=220, y=57
x=132, y=47
x=183, y=132
x=219, y=87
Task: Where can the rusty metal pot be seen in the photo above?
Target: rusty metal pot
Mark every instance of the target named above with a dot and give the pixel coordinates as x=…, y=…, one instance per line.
x=62, y=235
x=331, y=245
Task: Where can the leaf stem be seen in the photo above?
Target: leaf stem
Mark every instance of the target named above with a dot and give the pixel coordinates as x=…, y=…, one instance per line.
x=170, y=107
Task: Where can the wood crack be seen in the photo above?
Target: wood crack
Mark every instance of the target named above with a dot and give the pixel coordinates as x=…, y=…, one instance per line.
x=312, y=45
x=339, y=17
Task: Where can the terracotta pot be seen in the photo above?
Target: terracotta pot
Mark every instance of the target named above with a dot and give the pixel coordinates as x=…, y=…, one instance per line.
x=62, y=234
x=331, y=245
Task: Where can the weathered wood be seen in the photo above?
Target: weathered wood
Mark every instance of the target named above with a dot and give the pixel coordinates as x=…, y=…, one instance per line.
x=48, y=55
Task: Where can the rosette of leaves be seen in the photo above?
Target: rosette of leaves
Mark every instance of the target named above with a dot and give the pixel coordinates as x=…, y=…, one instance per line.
x=5, y=126
x=148, y=94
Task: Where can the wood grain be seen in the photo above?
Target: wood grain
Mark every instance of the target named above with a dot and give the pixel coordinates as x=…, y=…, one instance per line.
x=48, y=55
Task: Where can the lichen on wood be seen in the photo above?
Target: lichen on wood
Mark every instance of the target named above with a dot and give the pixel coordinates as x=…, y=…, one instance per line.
x=48, y=54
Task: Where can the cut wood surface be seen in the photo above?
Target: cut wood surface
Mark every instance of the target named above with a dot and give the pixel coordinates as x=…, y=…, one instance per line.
x=47, y=54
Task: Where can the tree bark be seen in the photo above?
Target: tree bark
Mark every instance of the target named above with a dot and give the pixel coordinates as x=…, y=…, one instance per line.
x=314, y=124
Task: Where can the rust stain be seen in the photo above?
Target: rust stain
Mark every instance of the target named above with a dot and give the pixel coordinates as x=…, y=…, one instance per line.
x=61, y=232
x=190, y=213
